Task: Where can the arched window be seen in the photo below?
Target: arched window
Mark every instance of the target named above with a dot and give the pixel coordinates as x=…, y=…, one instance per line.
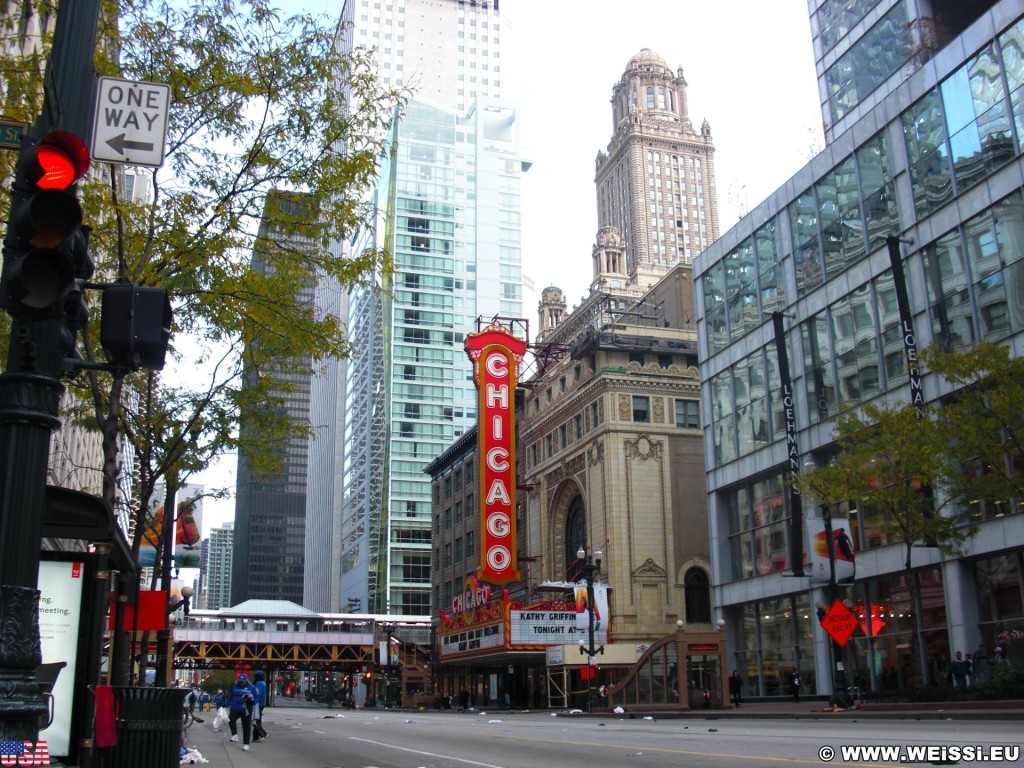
x=697, y=588
x=575, y=537
x=650, y=97
x=661, y=98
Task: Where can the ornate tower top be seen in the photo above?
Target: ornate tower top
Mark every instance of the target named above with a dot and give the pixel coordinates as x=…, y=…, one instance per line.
x=551, y=309
x=609, y=260
x=649, y=87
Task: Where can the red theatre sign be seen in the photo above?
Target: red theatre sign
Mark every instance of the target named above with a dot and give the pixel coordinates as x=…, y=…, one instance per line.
x=496, y=353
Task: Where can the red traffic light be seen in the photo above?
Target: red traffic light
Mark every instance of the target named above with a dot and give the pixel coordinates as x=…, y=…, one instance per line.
x=60, y=159
x=45, y=247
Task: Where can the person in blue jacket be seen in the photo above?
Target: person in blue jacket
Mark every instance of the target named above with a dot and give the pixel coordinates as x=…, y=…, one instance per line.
x=258, y=733
x=240, y=702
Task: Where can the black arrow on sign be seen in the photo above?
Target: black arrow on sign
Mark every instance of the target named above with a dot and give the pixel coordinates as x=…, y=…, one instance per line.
x=119, y=145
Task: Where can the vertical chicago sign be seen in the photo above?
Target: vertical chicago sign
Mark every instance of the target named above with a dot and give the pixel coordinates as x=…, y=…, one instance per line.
x=496, y=354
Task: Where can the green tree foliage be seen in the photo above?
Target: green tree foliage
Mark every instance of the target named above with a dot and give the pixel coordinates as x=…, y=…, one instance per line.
x=263, y=108
x=984, y=421
x=256, y=111
x=926, y=474
x=889, y=459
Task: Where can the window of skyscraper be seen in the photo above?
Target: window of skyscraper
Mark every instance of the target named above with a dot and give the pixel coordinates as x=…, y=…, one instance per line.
x=641, y=408
x=878, y=54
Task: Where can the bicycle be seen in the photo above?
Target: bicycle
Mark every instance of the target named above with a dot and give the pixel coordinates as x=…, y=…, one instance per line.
x=187, y=718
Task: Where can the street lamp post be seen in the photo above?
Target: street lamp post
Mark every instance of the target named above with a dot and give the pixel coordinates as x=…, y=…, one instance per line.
x=589, y=569
x=165, y=639
x=387, y=661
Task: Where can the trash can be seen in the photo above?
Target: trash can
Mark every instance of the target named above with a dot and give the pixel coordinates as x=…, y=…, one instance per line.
x=148, y=728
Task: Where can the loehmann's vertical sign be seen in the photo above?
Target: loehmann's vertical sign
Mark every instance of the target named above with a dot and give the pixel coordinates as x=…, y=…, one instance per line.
x=496, y=354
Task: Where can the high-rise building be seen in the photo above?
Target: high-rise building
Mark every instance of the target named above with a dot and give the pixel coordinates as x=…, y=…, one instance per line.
x=215, y=580
x=270, y=507
x=921, y=183
x=656, y=181
x=608, y=431
x=448, y=212
x=321, y=580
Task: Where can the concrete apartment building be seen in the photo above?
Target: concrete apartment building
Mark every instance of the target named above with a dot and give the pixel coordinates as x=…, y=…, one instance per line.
x=215, y=578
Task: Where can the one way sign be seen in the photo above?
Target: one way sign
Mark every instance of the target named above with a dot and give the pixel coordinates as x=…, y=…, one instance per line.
x=131, y=122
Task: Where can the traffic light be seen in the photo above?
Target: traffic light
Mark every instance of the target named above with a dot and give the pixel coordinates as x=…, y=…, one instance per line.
x=136, y=326
x=368, y=678
x=46, y=248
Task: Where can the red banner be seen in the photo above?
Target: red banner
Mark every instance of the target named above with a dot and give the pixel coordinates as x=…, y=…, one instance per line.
x=152, y=612
x=496, y=353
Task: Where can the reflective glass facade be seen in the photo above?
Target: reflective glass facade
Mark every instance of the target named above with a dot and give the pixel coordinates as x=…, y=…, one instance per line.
x=938, y=162
x=452, y=224
x=870, y=62
x=448, y=212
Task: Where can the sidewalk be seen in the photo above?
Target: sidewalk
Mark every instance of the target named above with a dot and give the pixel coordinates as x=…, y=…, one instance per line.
x=931, y=710
x=221, y=753
x=216, y=748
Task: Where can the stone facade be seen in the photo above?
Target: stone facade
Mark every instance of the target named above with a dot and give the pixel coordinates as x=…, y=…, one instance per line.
x=656, y=180
x=599, y=438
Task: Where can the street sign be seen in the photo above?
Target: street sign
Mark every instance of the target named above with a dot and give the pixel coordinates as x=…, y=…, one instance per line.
x=840, y=623
x=131, y=122
x=11, y=132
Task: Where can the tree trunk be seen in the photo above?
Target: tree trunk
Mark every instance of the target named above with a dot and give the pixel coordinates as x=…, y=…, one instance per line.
x=918, y=647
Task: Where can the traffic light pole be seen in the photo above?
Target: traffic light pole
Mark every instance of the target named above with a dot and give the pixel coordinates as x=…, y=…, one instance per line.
x=30, y=392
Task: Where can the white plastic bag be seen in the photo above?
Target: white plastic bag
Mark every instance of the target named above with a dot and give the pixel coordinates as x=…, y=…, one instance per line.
x=191, y=756
x=221, y=719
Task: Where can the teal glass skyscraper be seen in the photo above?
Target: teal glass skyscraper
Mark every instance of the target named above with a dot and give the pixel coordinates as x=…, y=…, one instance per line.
x=448, y=213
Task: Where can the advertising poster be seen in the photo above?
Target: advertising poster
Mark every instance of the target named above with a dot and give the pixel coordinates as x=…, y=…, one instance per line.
x=842, y=551
x=554, y=623
x=60, y=609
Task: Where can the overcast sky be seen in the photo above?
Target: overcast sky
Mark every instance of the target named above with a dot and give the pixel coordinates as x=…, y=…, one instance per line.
x=750, y=72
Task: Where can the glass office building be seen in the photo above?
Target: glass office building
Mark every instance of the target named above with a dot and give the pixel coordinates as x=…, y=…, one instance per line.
x=449, y=215
x=447, y=210
x=925, y=142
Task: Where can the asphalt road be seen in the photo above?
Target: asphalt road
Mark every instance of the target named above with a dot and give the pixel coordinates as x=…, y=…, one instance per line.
x=317, y=738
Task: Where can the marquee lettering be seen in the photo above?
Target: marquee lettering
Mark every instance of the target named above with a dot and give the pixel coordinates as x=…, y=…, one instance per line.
x=496, y=354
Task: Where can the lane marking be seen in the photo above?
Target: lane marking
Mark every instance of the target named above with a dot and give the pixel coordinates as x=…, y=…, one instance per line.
x=689, y=752
x=425, y=754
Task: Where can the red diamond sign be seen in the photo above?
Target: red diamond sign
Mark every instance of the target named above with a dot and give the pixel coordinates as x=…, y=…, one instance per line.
x=840, y=622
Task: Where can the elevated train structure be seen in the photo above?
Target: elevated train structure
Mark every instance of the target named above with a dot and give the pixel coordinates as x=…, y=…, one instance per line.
x=294, y=645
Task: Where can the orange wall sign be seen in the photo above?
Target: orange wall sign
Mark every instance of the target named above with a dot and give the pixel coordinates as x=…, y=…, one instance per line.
x=496, y=354
x=840, y=623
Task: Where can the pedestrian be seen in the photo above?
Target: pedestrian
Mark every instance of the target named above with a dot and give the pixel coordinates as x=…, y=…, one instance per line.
x=260, y=684
x=959, y=669
x=240, y=702
x=220, y=705
x=1001, y=656
x=795, y=686
x=980, y=663
x=192, y=699
x=735, y=688
x=463, y=700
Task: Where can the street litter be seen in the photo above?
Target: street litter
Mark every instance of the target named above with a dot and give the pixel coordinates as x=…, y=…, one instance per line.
x=191, y=756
